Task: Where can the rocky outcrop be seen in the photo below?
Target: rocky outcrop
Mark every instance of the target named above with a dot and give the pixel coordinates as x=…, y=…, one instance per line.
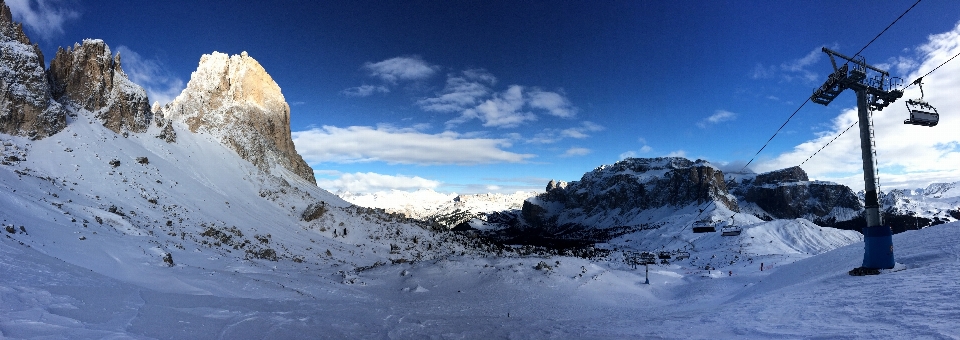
x=234, y=99
x=626, y=188
x=26, y=105
x=90, y=77
x=788, y=193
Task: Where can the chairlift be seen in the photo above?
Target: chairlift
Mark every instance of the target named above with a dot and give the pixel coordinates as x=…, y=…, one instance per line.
x=683, y=255
x=730, y=230
x=704, y=226
x=921, y=112
x=648, y=258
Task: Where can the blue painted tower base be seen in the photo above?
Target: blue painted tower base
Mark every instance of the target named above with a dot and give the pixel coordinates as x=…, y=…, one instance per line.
x=878, y=247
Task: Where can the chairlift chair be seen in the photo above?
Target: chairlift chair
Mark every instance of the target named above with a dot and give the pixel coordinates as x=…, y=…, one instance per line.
x=921, y=112
x=704, y=227
x=730, y=230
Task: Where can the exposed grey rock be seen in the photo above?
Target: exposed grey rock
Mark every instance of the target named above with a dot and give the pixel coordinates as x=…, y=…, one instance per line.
x=26, y=105
x=631, y=185
x=788, y=193
x=89, y=77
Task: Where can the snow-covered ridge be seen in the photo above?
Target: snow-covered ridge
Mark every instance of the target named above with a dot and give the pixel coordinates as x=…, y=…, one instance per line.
x=426, y=203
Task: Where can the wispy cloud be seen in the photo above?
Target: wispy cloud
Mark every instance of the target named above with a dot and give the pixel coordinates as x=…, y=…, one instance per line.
x=909, y=156
x=44, y=17
x=504, y=110
x=576, y=151
x=369, y=182
x=364, y=90
x=161, y=85
x=401, y=68
x=678, y=153
x=554, y=103
x=461, y=92
x=792, y=70
x=644, y=149
x=717, y=117
x=400, y=146
x=549, y=136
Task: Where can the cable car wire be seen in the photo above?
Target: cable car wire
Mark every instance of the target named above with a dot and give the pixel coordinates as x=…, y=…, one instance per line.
x=855, y=123
x=831, y=141
x=808, y=98
x=931, y=71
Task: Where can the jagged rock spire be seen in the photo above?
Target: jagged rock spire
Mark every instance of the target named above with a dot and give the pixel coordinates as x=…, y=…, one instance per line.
x=26, y=106
x=89, y=77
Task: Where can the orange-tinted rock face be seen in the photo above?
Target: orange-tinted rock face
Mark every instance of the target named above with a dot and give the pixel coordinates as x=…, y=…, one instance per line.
x=234, y=99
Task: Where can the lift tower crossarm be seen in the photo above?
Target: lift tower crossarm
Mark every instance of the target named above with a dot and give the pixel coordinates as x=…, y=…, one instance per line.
x=832, y=53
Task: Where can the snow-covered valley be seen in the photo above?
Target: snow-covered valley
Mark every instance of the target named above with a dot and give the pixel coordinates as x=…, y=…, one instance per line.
x=198, y=219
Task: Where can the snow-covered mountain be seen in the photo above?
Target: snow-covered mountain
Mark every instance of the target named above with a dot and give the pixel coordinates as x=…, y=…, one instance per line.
x=210, y=181
x=789, y=193
x=448, y=210
x=196, y=220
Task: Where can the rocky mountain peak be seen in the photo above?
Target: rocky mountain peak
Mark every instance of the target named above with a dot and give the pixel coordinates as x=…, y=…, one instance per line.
x=621, y=191
x=90, y=77
x=26, y=106
x=791, y=174
x=234, y=99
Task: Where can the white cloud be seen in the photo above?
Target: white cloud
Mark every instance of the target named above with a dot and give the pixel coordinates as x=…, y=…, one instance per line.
x=678, y=153
x=554, y=103
x=909, y=156
x=469, y=93
x=403, y=146
x=717, y=117
x=401, y=68
x=364, y=90
x=796, y=69
x=635, y=153
x=502, y=111
x=798, y=65
x=576, y=151
x=548, y=136
x=44, y=17
x=370, y=182
x=461, y=92
x=161, y=85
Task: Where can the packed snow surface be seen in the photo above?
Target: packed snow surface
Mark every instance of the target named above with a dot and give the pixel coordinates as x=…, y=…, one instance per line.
x=477, y=297
x=84, y=246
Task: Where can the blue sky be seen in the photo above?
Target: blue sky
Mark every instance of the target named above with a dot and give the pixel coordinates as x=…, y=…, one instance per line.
x=481, y=96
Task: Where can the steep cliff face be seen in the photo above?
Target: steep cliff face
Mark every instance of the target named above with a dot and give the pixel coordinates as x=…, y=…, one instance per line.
x=788, y=193
x=612, y=194
x=234, y=99
x=90, y=77
x=26, y=105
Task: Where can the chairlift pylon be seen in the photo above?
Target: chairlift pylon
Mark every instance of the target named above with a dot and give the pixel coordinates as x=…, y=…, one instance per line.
x=921, y=112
